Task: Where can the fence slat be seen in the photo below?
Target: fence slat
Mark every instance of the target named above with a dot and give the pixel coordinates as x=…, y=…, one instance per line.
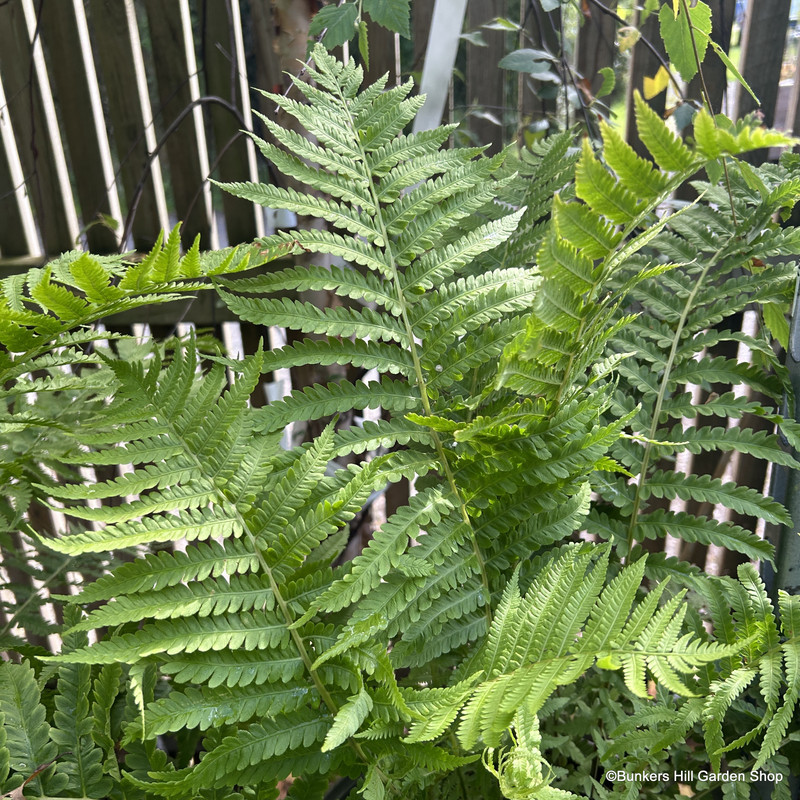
x=175, y=95
x=485, y=82
x=596, y=46
x=18, y=232
x=80, y=126
x=223, y=73
x=30, y=126
x=114, y=48
x=763, y=36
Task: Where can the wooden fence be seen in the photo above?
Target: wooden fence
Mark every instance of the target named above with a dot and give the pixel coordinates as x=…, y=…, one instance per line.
x=114, y=113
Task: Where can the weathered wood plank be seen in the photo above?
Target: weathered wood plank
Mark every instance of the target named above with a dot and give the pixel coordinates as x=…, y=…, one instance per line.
x=596, y=46
x=644, y=63
x=30, y=125
x=543, y=29
x=18, y=231
x=381, y=54
x=763, y=39
x=421, y=16
x=486, y=82
x=183, y=153
x=114, y=47
x=223, y=71
x=91, y=166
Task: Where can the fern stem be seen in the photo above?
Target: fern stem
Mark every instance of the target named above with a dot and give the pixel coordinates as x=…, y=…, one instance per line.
x=662, y=393
x=297, y=639
x=418, y=371
x=37, y=595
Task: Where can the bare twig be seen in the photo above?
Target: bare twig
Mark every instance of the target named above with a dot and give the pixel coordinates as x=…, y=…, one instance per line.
x=648, y=44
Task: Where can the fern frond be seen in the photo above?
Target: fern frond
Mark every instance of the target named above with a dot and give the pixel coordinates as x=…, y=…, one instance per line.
x=305, y=317
x=324, y=401
x=713, y=490
x=28, y=739
x=386, y=548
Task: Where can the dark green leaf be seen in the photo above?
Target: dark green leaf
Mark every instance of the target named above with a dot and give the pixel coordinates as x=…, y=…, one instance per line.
x=338, y=23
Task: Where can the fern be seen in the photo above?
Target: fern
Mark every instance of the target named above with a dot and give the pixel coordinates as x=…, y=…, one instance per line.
x=467, y=612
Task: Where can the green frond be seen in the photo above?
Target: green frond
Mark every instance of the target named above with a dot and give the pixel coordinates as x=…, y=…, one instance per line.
x=611, y=610
x=386, y=549
x=339, y=215
x=194, y=524
x=418, y=168
x=238, y=593
x=431, y=193
x=268, y=750
x=72, y=729
x=435, y=266
x=289, y=496
x=289, y=545
x=235, y=668
x=721, y=370
x=305, y=317
x=508, y=290
x=155, y=571
x=597, y=187
x=178, y=498
x=479, y=348
x=712, y=490
x=206, y=708
x=346, y=282
x=318, y=401
x=667, y=149
x=407, y=150
x=659, y=524
x=341, y=166
x=348, y=719
x=256, y=630
x=336, y=185
x=316, y=241
x=724, y=693
x=637, y=174
x=28, y=739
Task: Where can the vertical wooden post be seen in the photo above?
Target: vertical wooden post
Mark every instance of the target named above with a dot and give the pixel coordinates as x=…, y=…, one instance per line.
x=223, y=74
x=166, y=24
x=544, y=30
x=644, y=64
x=129, y=114
x=83, y=126
x=485, y=81
x=763, y=39
x=18, y=231
x=381, y=54
x=30, y=126
x=268, y=69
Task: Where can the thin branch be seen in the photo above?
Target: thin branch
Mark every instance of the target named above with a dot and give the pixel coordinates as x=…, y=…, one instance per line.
x=139, y=190
x=648, y=44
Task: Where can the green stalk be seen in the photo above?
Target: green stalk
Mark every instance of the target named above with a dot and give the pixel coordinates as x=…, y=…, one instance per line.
x=662, y=393
x=286, y=612
x=419, y=373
